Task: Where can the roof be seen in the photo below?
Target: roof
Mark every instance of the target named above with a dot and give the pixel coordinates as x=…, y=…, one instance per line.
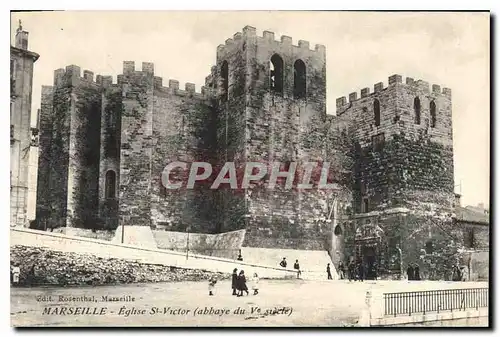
x=25, y=52
x=468, y=215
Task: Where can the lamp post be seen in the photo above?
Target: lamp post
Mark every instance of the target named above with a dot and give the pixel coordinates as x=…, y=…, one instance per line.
x=187, y=243
x=123, y=231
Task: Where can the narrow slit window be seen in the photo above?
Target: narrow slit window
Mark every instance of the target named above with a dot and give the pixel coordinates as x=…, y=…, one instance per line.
x=376, y=112
x=110, y=188
x=416, y=107
x=433, y=114
x=225, y=81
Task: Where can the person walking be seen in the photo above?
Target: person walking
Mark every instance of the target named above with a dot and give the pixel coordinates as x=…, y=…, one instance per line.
x=296, y=266
x=255, y=284
x=242, y=284
x=351, y=271
x=329, y=272
x=456, y=273
x=283, y=262
x=341, y=270
x=234, y=281
x=211, y=285
x=361, y=271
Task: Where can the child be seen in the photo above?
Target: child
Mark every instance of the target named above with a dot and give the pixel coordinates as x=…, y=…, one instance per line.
x=255, y=284
x=242, y=284
x=211, y=285
x=16, y=271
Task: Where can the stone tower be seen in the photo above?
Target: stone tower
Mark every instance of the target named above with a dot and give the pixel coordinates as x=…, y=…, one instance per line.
x=21, y=83
x=68, y=169
x=271, y=97
x=403, y=173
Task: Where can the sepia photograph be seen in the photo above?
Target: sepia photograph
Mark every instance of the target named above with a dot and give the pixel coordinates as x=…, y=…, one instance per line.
x=331, y=168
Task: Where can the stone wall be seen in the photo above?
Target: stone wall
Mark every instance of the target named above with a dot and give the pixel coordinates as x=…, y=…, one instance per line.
x=52, y=195
x=84, y=142
x=44, y=267
x=110, y=134
x=136, y=145
x=43, y=190
x=134, y=253
x=183, y=130
x=106, y=235
x=225, y=245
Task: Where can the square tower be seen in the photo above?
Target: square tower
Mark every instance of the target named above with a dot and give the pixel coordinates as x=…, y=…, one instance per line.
x=403, y=186
x=271, y=99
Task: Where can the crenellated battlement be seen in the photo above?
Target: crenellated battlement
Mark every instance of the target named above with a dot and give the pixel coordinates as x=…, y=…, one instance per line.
x=395, y=79
x=129, y=67
x=249, y=32
x=173, y=88
x=72, y=76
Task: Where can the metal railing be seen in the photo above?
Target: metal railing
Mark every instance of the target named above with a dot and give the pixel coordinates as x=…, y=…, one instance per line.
x=407, y=303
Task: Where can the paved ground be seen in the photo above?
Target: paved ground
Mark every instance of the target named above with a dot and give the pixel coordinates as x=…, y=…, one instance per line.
x=281, y=303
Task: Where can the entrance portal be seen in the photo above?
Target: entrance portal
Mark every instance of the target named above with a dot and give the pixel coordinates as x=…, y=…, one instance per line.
x=369, y=256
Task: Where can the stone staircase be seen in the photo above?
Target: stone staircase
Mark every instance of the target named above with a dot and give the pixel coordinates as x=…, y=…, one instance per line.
x=312, y=262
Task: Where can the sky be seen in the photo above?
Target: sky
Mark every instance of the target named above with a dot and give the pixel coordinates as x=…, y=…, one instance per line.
x=363, y=48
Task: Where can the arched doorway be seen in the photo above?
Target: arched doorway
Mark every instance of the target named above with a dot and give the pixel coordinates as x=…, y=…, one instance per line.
x=369, y=249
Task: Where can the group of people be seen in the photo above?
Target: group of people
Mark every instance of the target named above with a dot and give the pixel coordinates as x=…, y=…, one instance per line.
x=457, y=273
x=355, y=271
x=413, y=272
x=296, y=266
x=238, y=283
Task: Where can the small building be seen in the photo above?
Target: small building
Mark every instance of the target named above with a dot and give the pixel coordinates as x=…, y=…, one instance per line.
x=475, y=225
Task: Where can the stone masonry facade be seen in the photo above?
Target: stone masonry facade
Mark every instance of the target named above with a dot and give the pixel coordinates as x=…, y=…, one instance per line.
x=402, y=176
x=104, y=145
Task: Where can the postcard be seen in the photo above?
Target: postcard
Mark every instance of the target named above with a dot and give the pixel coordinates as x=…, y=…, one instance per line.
x=249, y=169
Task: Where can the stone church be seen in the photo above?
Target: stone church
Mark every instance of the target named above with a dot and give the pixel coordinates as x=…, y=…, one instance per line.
x=105, y=143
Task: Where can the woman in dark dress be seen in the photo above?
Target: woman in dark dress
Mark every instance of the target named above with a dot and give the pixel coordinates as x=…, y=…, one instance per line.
x=234, y=282
x=242, y=284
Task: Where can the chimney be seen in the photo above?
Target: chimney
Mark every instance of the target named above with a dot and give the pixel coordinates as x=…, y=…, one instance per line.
x=457, y=200
x=21, y=38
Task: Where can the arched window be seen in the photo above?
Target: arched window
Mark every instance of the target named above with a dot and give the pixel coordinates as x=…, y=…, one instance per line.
x=416, y=107
x=433, y=114
x=224, y=74
x=276, y=74
x=376, y=112
x=299, y=79
x=110, y=187
x=338, y=230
